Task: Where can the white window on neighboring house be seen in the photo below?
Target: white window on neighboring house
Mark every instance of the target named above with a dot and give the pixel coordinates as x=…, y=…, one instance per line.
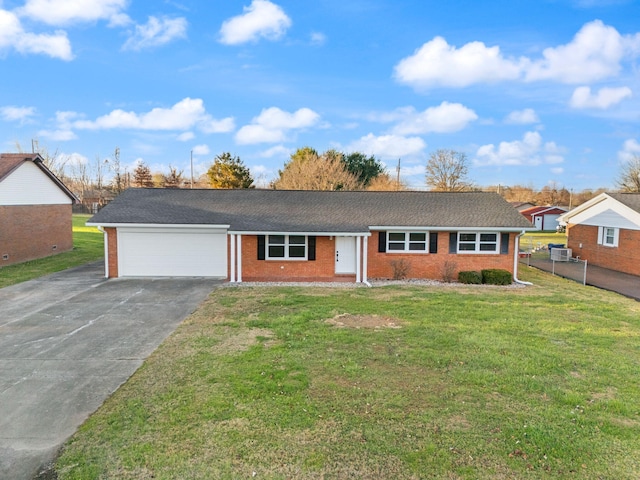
x=608, y=236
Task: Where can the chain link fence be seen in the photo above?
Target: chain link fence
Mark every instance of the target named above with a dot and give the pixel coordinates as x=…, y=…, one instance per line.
x=540, y=257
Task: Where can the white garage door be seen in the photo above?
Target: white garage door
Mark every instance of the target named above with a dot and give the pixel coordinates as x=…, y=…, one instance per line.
x=155, y=252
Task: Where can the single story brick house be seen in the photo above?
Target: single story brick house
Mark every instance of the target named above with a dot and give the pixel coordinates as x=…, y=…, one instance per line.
x=605, y=231
x=543, y=218
x=283, y=235
x=35, y=210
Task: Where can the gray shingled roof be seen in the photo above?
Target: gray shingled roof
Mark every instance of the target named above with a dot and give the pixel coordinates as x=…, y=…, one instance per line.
x=631, y=200
x=310, y=211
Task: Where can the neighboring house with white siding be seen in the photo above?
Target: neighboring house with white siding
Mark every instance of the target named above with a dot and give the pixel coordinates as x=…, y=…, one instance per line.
x=35, y=210
x=605, y=231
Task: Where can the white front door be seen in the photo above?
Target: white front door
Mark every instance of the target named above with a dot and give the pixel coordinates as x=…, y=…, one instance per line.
x=345, y=255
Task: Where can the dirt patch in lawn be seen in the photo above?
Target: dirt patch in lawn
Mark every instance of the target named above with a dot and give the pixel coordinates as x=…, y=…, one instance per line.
x=346, y=320
x=246, y=339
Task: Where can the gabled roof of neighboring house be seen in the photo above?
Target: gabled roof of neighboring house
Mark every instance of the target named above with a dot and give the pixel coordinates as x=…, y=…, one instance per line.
x=631, y=200
x=628, y=205
x=250, y=210
x=9, y=162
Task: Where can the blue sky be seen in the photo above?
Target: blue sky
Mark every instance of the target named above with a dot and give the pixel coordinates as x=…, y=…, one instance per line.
x=532, y=91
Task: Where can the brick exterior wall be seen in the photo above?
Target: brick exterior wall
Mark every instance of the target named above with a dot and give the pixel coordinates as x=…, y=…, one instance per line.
x=432, y=265
x=112, y=241
x=623, y=258
x=28, y=232
x=429, y=266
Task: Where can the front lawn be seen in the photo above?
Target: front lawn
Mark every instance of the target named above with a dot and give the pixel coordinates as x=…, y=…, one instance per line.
x=395, y=382
x=87, y=247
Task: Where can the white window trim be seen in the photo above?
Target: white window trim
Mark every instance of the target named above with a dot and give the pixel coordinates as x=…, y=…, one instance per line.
x=407, y=242
x=602, y=236
x=286, y=248
x=477, y=242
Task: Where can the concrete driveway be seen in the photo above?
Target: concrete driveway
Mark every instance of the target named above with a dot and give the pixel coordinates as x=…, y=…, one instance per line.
x=69, y=340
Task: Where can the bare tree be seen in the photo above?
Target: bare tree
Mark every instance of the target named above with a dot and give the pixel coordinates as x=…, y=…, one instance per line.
x=174, y=179
x=447, y=171
x=309, y=171
x=629, y=177
x=385, y=183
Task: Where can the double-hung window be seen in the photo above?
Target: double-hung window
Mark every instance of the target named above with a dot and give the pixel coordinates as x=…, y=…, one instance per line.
x=478, y=242
x=608, y=236
x=407, y=242
x=287, y=247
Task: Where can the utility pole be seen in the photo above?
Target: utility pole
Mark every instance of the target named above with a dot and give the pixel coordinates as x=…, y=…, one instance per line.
x=191, y=168
x=398, y=176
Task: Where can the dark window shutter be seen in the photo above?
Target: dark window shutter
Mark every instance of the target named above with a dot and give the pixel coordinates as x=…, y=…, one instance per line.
x=261, y=247
x=311, y=253
x=453, y=242
x=382, y=242
x=504, y=243
x=433, y=242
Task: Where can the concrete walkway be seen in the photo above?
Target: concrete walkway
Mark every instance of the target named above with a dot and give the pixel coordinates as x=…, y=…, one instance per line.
x=69, y=340
x=625, y=284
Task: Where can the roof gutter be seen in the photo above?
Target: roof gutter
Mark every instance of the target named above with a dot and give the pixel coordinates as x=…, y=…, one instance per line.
x=516, y=254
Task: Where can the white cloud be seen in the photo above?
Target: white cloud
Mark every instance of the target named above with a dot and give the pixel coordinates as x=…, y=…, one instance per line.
x=11, y=113
x=201, y=150
x=630, y=149
x=261, y=19
x=596, y=52
x=156, y=32
x=528, y=151
x=522, y=117
x=211, y=125
x=437, y=63
x=605, y=98
x=185, y=137
x=184, y=115
x=445, y=118
x=13, y=36
x=388, y=146
x=318, y=38
x=65, y=12
x=277, y=151
x=60, y=135
x=557, y=170
x=272, y=125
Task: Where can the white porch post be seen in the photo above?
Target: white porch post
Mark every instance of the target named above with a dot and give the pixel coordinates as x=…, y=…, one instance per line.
x=239, y=279
x=365, y=253
x=232, y=247
x=358, y=259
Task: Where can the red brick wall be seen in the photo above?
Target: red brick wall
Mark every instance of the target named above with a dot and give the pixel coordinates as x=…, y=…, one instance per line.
x=432, y=265
x=112, y=241
x=28, y=232
x=623, y=258
x=429, y=266
x=322, y=269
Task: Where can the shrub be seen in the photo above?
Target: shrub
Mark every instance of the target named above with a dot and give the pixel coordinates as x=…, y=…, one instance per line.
x=495, y=276
x=448, y=271
x=472, y=277
x=400, y=268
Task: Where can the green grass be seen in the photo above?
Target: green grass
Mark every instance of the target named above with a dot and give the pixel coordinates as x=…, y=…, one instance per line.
x=87, y=247
x=532, y=240
x=396, y=382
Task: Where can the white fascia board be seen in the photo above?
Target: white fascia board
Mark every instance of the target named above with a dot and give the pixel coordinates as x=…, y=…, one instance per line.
x=316, y=234
x=452, y=229
x=156, y=225
x=590, y=216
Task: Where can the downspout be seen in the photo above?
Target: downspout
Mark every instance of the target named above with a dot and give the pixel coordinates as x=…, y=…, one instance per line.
x=516, y=255
x=106, y=252
x=365, y=263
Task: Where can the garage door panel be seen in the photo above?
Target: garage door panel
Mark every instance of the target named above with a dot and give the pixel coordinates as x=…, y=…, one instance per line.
x=172, y=254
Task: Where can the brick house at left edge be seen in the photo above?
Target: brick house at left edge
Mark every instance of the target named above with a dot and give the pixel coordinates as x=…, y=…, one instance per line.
x=35, y=210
